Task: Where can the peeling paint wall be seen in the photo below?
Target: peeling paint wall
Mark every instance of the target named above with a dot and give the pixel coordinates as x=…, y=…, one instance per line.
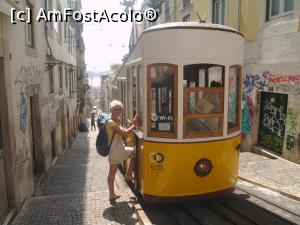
x=272, y=64
x=253, y=85
x=27, y=79
x=292, y=134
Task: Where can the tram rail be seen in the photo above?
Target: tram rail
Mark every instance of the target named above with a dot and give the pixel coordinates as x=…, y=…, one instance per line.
x=239, y=207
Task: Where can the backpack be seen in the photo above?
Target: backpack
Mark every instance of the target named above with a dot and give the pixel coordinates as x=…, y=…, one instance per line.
x=102, y=145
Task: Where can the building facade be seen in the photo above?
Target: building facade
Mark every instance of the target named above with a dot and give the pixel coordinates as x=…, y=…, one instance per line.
x=40, y=63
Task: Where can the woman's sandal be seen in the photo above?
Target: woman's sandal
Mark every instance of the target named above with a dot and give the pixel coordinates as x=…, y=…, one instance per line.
x=114, y=198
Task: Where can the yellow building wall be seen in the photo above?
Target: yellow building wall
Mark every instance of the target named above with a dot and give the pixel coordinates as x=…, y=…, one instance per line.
x=232, y=14
x=250, y=17
x=202, y=8
x=250, y=14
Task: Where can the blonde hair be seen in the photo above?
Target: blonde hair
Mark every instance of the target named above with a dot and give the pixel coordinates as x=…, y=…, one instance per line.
x=114, y=104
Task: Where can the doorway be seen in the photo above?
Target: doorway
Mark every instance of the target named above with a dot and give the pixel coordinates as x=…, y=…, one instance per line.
x=37, y=163
x=273, y=109
x=63, y=125
x=53, y=144
x=4, y=204
x=69, y=130
x=3, y=186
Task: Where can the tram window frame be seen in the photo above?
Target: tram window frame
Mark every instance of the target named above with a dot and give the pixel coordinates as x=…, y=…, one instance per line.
x=174, y=105
x=127, y=91
x=140, y=95
x=237, y=126
x=134, y=89
x=194, y=84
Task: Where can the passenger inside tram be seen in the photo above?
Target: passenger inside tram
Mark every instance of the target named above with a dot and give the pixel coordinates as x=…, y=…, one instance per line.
x=202, y=99
x=210, y=101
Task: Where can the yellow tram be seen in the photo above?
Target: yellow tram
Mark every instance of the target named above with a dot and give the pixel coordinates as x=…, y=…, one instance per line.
x=184, y=81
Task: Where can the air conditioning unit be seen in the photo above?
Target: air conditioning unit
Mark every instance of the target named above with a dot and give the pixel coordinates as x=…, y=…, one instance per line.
x=17, y=4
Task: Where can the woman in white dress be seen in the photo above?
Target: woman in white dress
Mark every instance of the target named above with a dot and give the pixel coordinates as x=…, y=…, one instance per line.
x=118, y=152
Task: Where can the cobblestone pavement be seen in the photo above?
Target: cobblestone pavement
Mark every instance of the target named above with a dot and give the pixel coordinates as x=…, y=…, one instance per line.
x=75, y=192
x=277, y=174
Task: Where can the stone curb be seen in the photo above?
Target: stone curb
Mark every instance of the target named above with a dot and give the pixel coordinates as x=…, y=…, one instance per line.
x=133, y=201
x=142, y=217
x=273, y=189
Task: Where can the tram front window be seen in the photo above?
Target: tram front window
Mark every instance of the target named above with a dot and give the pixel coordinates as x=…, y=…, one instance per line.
x=162, y=98
x=203, y=100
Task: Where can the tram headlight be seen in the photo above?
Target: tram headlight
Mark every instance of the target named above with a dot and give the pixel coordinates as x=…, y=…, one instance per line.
x=203, y=167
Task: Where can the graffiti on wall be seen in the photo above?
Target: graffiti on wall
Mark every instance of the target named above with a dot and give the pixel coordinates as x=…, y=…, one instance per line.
x=292, y=121
x=274, y=119
x=23, y=112
x=28, y=75
x=271, y=142
x=247, y=114
x=289, y=83
x=251, y=83
x=279, y=79
x=255, y=82
x=263, y=81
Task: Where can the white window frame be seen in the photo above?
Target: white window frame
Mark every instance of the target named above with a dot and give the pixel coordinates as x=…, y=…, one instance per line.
x=281, y=10
x=29, y=36
x=222, y=11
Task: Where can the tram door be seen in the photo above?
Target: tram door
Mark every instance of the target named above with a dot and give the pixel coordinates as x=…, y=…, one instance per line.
x=3, y=191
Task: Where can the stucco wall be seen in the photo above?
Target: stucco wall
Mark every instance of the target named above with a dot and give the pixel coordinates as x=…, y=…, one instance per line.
x=24, y=71
x=26, y=75
x=272, y=63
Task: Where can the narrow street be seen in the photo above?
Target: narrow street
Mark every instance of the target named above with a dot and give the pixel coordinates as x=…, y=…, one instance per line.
x=75, y=191
x=205, y=95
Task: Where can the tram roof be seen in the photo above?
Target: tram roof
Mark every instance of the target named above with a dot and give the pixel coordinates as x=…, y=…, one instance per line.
x=192, y=25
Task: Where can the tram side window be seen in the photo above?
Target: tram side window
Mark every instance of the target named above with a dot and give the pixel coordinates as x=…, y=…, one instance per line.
x=234, y=98
x=134, y=90
x=140, y=89
x=162, y=100
x=203, y=100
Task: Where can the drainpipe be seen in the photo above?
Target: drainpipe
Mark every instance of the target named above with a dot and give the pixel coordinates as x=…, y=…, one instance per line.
x=46, y=31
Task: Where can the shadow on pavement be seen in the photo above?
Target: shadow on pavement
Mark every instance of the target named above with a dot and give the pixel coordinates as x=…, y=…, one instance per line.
x=116, y=213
